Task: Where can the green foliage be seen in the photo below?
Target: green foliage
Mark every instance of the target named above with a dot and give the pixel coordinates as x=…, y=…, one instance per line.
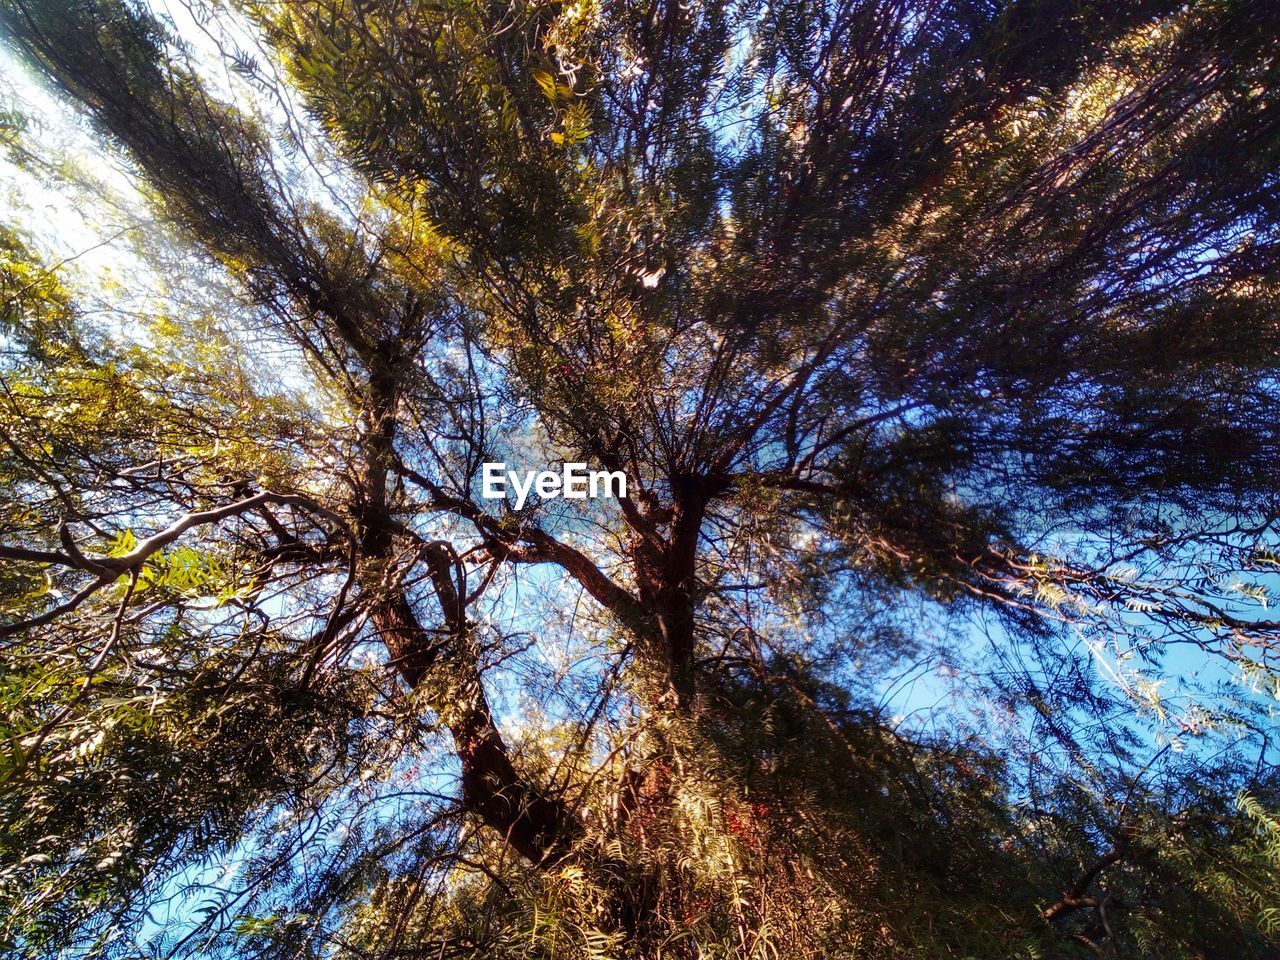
x=938, y=344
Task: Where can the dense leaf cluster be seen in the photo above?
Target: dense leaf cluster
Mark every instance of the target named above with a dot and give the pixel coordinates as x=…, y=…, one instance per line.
x=932, y=337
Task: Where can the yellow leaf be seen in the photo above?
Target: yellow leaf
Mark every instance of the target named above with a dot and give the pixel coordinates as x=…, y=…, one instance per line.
x=547, y=83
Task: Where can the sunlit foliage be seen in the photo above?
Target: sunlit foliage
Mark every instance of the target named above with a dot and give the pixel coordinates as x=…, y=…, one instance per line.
x=935, y=339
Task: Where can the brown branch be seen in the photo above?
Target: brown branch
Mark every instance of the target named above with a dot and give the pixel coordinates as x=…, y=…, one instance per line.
x=537, y=826
x=109, y=566
x=542, y=547
x=1076, y=898
x=48, y=616
x=107, y=569
x=26, y=555
x=533, y=545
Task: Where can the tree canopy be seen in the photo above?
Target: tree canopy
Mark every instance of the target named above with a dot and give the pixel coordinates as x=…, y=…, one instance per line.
x=935, y=339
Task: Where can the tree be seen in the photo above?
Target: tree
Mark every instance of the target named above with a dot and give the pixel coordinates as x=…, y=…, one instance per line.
x=896, y=316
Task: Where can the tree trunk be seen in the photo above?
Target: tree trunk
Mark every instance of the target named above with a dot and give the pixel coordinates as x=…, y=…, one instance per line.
x=537, y=826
